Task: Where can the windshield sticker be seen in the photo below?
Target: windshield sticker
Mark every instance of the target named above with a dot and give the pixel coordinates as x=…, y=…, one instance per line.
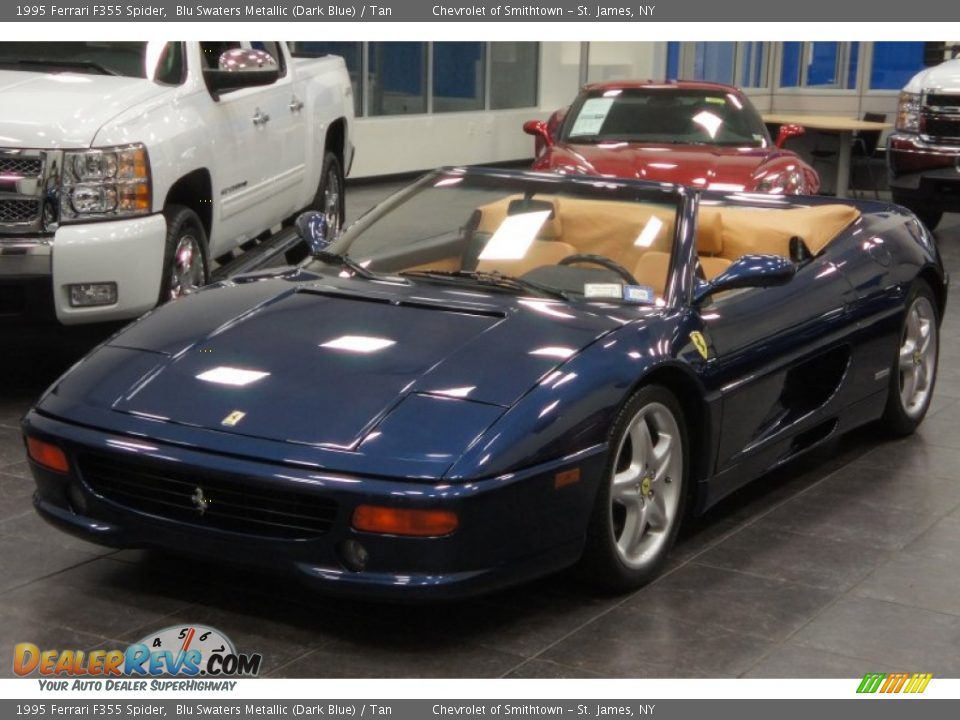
x=603, y=290
x=514, y=236
x=715, y=100
x=639, y=294
x=591, y=117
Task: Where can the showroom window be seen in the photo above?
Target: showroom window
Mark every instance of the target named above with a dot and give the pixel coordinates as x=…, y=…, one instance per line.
x=514, y=69
x=894, y=63
x=402, y=78
x=734, y=63
x=397, y=78
x=459, y=82
x=819, y=65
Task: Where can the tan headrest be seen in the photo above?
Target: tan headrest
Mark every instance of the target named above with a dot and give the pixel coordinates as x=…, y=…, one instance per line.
x=709, y=232
x=748, y=230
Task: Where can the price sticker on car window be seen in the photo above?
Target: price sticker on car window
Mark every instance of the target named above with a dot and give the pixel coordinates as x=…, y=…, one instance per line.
x=591, y=117
x=642, y=294
x=609, y=291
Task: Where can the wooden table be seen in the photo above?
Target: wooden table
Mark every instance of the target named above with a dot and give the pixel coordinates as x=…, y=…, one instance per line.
x=844, y=127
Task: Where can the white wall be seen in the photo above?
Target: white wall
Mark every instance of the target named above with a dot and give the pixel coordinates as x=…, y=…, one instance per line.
x=408, y=143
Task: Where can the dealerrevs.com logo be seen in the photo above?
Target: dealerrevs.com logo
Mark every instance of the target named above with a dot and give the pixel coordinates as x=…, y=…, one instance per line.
x=894, y=682
x=179, y=651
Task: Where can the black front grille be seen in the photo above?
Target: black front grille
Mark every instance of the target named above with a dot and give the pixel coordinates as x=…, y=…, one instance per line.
x=944, y=100
x=19, y=211
x=229, y=502
x=28, y=167
x=942, y=127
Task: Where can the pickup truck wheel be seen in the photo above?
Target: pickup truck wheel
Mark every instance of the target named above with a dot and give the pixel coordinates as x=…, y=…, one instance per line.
x=185, y=267
x=330, y=197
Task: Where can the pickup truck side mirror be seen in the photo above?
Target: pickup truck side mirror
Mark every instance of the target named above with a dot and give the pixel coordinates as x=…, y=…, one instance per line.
x=314, y=229
x=748, y=271
x=241, y=68
x=788, y=131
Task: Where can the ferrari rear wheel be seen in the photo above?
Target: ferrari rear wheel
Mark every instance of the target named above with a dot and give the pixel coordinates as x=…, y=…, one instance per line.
x=914, y=372
x=642, y=499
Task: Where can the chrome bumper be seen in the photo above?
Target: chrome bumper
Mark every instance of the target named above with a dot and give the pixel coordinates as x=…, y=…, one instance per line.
x=25, y=256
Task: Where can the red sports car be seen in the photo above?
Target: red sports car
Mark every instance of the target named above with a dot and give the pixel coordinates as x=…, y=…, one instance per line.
x=701, y=134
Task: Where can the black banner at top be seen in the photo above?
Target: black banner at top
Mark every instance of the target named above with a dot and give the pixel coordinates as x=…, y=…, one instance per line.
x=484, y=11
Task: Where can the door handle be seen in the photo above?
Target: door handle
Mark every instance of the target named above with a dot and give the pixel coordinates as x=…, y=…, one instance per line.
x=260, y=118
x=296, y=104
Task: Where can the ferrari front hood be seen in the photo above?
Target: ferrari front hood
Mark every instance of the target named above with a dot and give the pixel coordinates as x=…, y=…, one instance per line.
x=325, y=368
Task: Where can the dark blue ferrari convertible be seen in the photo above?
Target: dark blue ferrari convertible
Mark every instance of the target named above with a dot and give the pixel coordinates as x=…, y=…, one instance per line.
x=493, y=375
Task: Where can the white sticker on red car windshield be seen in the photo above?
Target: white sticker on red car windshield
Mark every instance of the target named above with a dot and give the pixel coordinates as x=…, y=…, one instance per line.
x=591, y=117
x=603, y=290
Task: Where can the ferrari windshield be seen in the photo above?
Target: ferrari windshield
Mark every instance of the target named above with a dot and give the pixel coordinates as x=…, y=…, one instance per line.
x=664, y=115
x=572, y=239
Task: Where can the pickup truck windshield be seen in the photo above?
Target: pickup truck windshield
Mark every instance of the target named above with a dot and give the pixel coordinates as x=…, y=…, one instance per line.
x=664, y=115
x=162, y=62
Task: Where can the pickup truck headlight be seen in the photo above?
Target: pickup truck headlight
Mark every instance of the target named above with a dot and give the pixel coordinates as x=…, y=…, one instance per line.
x=788, y=181
x=908, y=112
x=105, y=183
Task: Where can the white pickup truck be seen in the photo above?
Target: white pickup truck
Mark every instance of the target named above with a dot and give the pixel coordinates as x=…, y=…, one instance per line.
x=126, y=167
x=923, y=155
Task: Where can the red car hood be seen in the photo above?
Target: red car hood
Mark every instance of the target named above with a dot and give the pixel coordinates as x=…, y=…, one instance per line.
x=723, y=168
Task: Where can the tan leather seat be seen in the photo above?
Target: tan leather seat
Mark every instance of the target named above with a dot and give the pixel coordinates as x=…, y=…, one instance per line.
x=710, y=244
x=540, y=252
x=651, y=270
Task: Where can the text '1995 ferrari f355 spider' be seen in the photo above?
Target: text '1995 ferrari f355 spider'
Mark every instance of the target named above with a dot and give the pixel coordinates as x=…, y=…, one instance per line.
x=491, y=376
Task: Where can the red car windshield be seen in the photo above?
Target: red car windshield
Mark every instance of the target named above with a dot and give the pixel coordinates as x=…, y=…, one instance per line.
x=664, y=115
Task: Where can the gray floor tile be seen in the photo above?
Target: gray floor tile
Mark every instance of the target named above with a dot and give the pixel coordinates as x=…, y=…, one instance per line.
x=819, y=562
x=851, y=521
x=796, y=661
x=633, y=643
x=400, y=656
x=887, y=634
x=744, y=604
x=100, y=597
x=16, y=495
x=931, y=583
x=30, y=529
x=25, y=562
x=941, y=541
x=11, y=447
x=543, y=669
x=45, y=634
x=913, y=457
x=899, y=490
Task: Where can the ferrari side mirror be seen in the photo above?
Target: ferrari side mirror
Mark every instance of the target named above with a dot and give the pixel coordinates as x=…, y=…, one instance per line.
x=748, y=271
x=313, y=228
x=539, y=130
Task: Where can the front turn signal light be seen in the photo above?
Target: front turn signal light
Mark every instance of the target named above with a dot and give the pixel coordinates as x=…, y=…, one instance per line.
x=398, y=521
x=47, y=455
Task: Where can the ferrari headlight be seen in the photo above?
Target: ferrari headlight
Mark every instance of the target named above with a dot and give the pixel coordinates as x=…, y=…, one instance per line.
x=908, y=112
x=105, y=183
x=788, y=181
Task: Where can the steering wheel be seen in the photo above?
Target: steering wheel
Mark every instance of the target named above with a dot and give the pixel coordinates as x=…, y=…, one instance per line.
x=605, y=262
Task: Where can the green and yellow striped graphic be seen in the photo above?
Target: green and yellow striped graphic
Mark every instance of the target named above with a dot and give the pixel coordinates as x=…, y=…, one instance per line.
x=894, y=682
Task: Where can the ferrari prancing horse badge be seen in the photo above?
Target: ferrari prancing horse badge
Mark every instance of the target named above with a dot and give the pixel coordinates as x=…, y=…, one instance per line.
x=700, y=343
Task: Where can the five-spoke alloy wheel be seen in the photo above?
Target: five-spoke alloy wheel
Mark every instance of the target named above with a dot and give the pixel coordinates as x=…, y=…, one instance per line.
x=642, y=497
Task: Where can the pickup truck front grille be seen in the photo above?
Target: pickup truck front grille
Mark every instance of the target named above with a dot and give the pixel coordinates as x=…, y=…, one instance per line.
x=942, y=129
x=23, y=166
x=27, y=179
x=18, y=212
x=943, y=100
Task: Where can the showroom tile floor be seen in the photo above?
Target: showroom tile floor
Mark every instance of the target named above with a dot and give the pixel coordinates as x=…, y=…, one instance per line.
x=847, y=561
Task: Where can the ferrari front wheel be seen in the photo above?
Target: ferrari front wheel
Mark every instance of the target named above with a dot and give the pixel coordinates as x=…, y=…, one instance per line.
x=642, y=497
x=914, y=370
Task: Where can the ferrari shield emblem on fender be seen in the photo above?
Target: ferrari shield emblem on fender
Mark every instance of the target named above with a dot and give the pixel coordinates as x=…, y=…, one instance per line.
x=233, y=418
x=700, y=343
